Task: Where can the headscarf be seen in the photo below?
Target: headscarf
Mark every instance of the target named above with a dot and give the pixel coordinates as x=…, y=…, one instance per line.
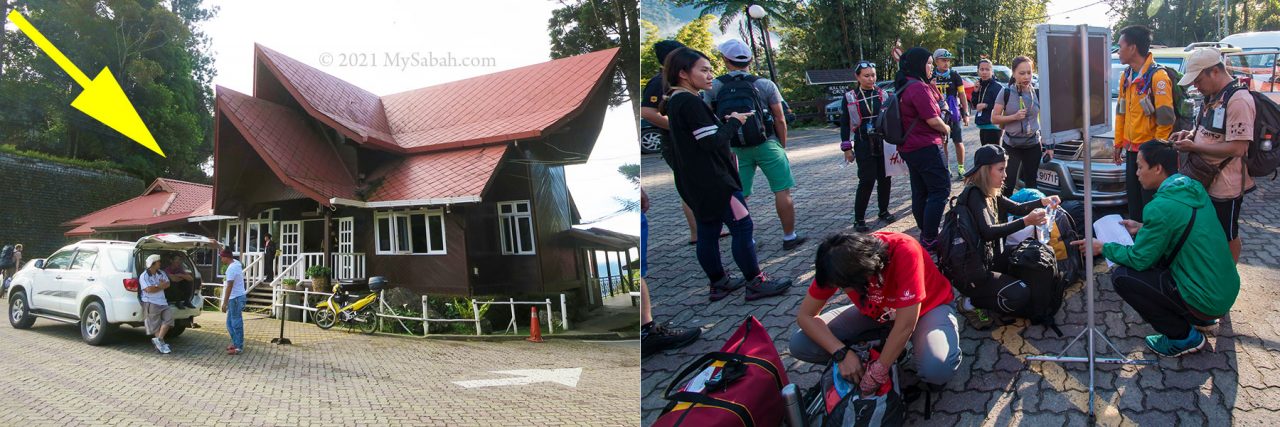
x=912, y=64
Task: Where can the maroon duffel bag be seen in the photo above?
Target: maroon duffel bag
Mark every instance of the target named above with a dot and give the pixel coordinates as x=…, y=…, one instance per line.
x=740, y=385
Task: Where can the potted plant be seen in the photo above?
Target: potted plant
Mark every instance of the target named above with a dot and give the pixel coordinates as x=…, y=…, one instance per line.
x=289, y=283
x=319, y=275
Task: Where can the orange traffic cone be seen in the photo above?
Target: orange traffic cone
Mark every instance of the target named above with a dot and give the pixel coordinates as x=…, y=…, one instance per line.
x=535, y=330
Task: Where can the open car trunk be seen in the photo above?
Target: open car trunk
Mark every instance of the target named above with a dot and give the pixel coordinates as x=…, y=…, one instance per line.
x=168, y=245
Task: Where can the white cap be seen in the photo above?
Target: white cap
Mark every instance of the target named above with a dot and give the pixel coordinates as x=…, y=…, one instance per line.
x=152, y=259
x=736, y=50
x=1200, y=59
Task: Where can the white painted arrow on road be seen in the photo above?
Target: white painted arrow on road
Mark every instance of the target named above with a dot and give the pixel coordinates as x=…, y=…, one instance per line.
x=568, y=376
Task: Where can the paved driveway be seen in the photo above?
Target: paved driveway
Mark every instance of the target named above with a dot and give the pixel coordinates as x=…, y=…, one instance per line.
x=1237, y=384
x=327, y=377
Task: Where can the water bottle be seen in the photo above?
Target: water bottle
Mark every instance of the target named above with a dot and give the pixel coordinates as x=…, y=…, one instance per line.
x=1045, y=230
x=795, y=414
x=1266, y=143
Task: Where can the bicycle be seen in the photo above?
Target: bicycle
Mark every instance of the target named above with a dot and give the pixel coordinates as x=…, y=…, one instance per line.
x=362, y=313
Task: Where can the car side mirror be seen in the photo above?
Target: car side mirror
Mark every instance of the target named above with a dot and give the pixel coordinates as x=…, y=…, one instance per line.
x=40, y=263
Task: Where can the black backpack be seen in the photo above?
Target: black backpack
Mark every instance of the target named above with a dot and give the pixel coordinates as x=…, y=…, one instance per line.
x=1033, y=262
x=6, y=257
x=961, y=254
x=1263, y=158
x=888, y=125
x=738, y=94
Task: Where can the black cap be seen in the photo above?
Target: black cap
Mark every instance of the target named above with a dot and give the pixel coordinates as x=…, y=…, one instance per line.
x=663, y=48
x=986, y=155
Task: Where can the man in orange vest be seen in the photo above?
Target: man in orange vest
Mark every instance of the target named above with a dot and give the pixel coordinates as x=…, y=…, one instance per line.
x=1144, y=110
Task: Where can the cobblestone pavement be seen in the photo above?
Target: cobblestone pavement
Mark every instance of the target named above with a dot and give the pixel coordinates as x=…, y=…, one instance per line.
x=333, y=377
x=1239, y=383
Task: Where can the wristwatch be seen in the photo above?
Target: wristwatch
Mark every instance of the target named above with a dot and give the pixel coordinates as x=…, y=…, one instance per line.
x=840, y=354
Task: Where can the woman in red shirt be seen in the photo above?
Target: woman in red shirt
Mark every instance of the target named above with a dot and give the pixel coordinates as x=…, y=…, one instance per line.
x=890, y=279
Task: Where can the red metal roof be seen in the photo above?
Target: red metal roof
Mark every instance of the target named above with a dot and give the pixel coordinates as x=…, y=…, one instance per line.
x=449, y=174
x=521, y=103
x=164, y=200
x=442, y=129
x=353, y=109
x=294, y=151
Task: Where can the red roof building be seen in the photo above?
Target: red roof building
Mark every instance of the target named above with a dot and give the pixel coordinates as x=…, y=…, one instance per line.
x=165, y=205
x=457, y=188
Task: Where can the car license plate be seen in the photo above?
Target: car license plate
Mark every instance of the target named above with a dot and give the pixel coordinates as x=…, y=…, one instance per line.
x=1047, y=177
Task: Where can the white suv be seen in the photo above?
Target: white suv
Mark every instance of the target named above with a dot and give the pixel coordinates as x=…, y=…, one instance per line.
x=94, y=283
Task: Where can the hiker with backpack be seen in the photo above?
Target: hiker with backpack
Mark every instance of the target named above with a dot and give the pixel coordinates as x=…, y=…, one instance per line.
x=956, y=106
x=1017, y=111
x=858, y=112
x=891, y=280
x=984, y=101
x=988, y=283
x=1220, y=140
x=1178, y=274
x=1145, y=109
x=707, y=178
x=923, y=132
x=762, y=140
x=10, y=261
x=651, y=97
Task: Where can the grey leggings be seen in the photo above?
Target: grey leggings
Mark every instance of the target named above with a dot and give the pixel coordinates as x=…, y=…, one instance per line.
x=935, y=343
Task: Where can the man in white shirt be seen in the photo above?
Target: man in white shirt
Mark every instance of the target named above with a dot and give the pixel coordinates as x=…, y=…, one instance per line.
x=157, y=315
x=233, y=300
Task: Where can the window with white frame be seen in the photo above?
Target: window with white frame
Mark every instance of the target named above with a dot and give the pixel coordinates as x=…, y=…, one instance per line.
x=419, y=232
x=516, y=225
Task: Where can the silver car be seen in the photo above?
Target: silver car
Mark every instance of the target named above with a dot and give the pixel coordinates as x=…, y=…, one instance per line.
x=1064, y=175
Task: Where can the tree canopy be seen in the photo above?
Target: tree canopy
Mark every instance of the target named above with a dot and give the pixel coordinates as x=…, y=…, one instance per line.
x=582, y=26
x=1182, y=22
x=156, y=51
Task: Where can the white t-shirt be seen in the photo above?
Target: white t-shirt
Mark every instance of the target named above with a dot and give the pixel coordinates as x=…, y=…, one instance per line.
x=148, y=280
x=235, y=275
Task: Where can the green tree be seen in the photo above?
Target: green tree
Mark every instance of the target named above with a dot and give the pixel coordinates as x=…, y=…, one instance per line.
x=1181, y=22
x=697, y=36
x=648, y=62
x=582, y=26
x=728, y=10
x=156, y=51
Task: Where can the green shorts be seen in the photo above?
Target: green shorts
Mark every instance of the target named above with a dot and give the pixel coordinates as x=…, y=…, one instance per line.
x=771, y=158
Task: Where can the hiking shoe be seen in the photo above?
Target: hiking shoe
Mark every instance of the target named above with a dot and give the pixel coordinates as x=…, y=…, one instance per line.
x=723, y=287
x=763, y=287
x=887, y=217
x=861, y=226
x=160, y=346
x=793, y=243
x=1169, y=348
x=661, y=337
x=1205, y=325
x=977, y=317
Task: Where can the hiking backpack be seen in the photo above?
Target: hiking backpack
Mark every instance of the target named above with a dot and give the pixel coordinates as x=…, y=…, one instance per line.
x=738, y=94
x=6, y=256
x=1185, y=119
x=1263, y=158
x=961, y=254
x=1034, y=263
x=888, y=125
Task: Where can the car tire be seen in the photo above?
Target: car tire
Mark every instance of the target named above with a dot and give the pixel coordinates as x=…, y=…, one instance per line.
x=94, y=328
x=651, y=140
x=19, y=312
x=175, y=332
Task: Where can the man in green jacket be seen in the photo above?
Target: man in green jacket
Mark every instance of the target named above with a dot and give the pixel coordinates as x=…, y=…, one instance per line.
x=1179, y=274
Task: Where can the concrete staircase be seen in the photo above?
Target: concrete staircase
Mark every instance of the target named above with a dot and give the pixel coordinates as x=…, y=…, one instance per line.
x=260, y=297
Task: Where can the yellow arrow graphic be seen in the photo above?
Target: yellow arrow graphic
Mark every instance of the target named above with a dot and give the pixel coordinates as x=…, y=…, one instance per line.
x=102, y=98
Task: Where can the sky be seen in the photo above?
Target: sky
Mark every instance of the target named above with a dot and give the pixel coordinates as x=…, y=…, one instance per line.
x=1076, y=12
x=324, y=33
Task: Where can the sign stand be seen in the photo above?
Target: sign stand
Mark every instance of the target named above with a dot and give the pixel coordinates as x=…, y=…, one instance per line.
x=1092, y=359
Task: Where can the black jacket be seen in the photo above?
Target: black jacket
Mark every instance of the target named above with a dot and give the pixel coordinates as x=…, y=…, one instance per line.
x=706, y=174
x=990, y=228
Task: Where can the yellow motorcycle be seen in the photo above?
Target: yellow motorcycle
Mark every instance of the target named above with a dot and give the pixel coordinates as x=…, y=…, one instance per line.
x=361, y=313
